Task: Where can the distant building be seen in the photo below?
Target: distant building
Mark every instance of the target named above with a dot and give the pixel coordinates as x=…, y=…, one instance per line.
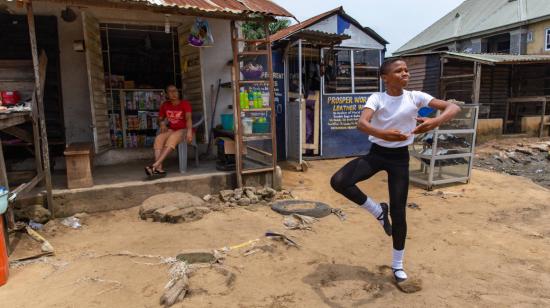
x=516, y=27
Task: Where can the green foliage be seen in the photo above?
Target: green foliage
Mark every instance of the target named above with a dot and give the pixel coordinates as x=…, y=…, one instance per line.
x=255, y=30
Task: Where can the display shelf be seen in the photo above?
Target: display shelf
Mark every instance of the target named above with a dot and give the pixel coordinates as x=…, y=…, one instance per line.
x=445, y=155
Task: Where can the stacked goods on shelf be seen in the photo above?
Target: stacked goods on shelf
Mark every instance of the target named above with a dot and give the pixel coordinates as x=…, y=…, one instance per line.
x=254, y=97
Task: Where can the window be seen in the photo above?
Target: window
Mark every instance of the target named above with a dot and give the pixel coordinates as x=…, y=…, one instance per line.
x=547, y=40
x=338, y=71
x=351, y=71
x=366, y=64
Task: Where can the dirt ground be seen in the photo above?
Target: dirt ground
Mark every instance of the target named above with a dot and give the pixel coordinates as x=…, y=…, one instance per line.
x=485, y=244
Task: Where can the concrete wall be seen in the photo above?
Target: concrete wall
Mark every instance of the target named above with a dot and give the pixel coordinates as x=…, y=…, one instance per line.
x=488, y=129
x=531, y=125
x=536, y=47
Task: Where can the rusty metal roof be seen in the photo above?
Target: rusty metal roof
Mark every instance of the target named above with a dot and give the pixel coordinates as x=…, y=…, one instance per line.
x=304, y=24
x=208, y=7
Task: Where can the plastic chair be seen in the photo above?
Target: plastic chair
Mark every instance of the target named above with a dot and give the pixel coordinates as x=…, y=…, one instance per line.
x=182, y=148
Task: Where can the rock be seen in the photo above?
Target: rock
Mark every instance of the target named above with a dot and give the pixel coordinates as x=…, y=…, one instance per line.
x=238, y=194
x=178, y=200
x=524, y=151
x=232, y=200
x=250, y=195
x=254, y=199
x=225, y=195
x=36, y=213
x=160, y=214
x=207, y=198
x=251, y=189
x=187, y=215
x=244, y=202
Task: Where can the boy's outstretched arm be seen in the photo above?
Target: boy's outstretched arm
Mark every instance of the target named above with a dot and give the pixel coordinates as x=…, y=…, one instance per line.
x=449, y=111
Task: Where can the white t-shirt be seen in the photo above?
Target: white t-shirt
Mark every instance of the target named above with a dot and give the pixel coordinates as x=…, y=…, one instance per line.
x=396, y=112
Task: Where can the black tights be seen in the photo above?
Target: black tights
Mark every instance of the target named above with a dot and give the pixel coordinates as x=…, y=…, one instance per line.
x=395, y=161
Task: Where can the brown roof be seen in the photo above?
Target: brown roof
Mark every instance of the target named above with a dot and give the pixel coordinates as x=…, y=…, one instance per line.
x=304, y=24
x=210, y=7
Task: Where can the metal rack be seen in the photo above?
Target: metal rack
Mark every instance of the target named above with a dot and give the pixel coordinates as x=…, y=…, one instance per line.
x=445, y=155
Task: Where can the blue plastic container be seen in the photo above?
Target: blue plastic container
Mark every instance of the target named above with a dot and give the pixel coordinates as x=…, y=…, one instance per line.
x=425, y=112
x=227, y=121
x=3, y=200
x=260, y=128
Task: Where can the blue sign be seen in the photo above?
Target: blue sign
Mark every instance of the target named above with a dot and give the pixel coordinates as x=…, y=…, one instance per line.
x=340, y=136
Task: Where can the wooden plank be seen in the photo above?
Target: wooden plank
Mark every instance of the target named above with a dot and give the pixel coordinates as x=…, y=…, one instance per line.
x=40, y=65
x=19, y=133
x=260, y=170
x=13, y=119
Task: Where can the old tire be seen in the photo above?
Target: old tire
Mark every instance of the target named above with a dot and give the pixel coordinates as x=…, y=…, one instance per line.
x=289, y=207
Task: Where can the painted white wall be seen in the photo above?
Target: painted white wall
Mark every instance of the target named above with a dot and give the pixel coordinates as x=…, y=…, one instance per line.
x=214, y=67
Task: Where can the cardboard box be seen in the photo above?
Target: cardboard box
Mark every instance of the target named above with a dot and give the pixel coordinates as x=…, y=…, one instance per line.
x=229, y=146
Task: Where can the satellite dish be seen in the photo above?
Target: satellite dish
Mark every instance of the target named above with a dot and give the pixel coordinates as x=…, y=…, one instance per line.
x=68, y=15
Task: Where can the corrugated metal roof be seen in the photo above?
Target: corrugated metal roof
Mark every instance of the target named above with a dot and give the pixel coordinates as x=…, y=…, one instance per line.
x=499, y=58
x=304, y=24
x=228, y=7
x=474, y=17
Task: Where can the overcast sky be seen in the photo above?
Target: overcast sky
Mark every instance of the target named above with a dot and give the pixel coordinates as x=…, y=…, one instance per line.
x=397, y=21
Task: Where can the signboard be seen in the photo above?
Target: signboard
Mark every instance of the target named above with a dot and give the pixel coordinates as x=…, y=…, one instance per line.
x=279, y=88
x=340, y=136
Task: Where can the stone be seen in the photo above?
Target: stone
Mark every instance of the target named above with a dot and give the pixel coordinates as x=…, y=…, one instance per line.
x=244, y=202
x=250, y=195
x=36, y=213
x=232, y=200
x=83, y=217
x=254, y=199
x=160, y=214
x=179, y=200
x=225, y=195
x=251, y=189
x=524, y=151
x=187, y=215
x=270, y=192
x=207, y=198
x=238, y=194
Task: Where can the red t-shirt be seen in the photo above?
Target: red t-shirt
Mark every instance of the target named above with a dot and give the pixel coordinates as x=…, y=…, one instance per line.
x=175, y=114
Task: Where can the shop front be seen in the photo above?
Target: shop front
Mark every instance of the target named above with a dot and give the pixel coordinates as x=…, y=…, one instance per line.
x=117, y=57
x=330, y=67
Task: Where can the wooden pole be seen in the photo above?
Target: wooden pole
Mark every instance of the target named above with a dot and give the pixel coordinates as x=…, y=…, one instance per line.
x=271, y=101
x=477, y=83
x=39, y=95
x=236, y=104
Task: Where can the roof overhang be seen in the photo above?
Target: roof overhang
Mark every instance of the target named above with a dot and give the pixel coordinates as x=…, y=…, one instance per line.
x=224, y=9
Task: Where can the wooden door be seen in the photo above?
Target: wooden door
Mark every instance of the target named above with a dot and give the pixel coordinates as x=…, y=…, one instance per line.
x=96, y=83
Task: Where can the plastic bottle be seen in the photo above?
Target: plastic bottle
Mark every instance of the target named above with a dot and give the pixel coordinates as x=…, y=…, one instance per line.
x=250, y=98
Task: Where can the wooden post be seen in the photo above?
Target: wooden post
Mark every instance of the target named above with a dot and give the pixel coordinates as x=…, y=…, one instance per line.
x=541, y=131
x=39, y=95
x=477, y=83
x=236, y=104
x=271, y=101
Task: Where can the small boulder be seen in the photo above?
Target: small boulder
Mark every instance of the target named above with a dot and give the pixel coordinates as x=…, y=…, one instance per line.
x=238, y=193
x=250, y=195
x=207, y=198
x=250, y=188
x=225, y=195
x=161, y=214
x=178, y=200
x=36, y=213
x=244, y=201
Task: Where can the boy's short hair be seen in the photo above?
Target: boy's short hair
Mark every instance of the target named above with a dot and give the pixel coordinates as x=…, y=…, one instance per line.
x=386, y=65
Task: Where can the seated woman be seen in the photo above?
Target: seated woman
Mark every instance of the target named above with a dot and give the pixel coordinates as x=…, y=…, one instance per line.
x=175, y=126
